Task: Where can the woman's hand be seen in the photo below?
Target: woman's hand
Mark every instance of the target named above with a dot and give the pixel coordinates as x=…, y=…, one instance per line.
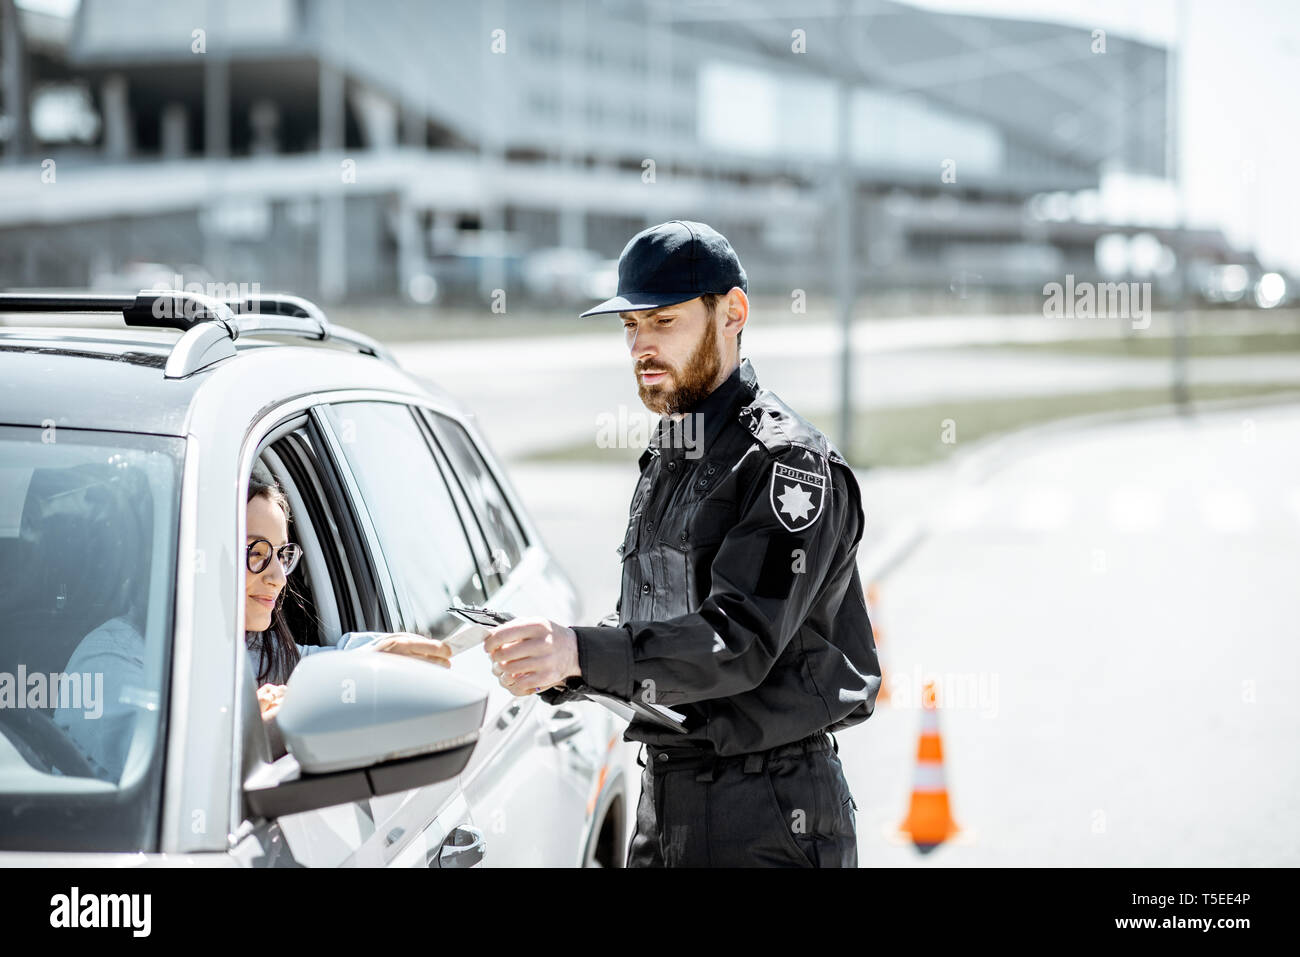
x=269, y=697
x=416, y=646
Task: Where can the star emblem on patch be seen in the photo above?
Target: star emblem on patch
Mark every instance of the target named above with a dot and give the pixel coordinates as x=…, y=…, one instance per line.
x=797, y=496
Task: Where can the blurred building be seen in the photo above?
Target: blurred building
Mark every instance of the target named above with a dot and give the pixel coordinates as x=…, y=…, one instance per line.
x=357, y=149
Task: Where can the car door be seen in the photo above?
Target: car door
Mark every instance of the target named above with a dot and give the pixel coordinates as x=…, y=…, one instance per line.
x=526, y=580
x=431, y=558
x=404, y=828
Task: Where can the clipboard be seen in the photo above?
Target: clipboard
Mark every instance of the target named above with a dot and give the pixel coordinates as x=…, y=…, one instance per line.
x=655, y=714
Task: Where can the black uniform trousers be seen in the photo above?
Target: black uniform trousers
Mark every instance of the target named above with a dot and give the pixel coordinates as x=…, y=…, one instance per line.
x=789, y=806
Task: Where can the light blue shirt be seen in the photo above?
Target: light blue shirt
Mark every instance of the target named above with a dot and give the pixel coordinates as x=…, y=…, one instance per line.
x=117, y=651
x=350, y=641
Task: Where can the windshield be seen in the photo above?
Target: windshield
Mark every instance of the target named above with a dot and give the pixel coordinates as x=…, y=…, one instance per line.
x=88, y=528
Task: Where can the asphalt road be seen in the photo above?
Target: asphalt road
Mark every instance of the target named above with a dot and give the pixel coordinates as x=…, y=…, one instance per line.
x=1119, y=607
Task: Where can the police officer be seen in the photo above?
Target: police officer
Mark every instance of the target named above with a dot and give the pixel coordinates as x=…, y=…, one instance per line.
x=741, y=604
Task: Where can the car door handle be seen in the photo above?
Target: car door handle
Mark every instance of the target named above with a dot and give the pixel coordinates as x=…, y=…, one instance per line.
x=564, y=724
x=463, y=847
x=509, y=715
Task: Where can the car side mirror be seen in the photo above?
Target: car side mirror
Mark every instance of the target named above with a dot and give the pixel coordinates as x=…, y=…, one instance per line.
x=362, y=723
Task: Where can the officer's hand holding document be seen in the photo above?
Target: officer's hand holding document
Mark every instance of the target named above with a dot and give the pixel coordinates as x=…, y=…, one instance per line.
x=480, y=623
x=536, y=654
x=529, y=654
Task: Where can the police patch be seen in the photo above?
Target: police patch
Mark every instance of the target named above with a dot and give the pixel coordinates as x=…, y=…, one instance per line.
x=797, y=496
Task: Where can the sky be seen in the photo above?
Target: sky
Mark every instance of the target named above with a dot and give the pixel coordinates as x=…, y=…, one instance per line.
x=63, y=8
x=1239, y=134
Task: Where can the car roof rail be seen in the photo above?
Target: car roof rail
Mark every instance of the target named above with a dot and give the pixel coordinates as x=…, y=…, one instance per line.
x=210, y=325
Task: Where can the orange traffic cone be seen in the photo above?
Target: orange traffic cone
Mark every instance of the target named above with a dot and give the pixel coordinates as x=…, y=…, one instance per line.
x=873, y=596
x=929, y=820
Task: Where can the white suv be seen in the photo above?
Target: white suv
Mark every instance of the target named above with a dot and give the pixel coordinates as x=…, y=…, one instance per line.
x=124, y=460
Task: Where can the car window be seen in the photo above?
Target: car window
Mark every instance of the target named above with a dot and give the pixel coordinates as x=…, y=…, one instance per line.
x=336, y=557
x=505, y=538
x=309, y=607
x=477, y=540
x=330, y=593
x=88, y=531
x=420, y=531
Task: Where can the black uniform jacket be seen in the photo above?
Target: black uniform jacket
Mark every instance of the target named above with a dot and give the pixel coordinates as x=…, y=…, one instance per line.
x=741, y=605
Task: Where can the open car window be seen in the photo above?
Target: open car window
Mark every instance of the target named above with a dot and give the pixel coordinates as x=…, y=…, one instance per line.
x=310, y=605
x=340, y=558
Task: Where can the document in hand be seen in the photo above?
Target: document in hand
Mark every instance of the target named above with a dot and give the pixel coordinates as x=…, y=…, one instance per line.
x=485, y=618
x=627, y=710
x=465, y=637
x=478, y=621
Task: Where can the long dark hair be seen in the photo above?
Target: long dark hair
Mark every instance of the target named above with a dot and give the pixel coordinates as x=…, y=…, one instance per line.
x=279, y=654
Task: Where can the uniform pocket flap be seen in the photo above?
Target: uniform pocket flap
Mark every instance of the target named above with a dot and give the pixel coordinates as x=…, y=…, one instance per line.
x=628, y=546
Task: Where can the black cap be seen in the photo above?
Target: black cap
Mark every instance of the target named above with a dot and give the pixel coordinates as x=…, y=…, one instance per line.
x=670, y=263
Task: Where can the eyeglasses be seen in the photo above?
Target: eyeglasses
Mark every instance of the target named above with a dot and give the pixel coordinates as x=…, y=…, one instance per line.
x=260, y=552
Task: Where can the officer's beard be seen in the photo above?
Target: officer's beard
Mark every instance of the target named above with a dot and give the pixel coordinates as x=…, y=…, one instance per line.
x=693, y=382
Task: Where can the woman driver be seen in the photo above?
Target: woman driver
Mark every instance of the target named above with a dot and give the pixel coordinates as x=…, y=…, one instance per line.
x=270, y=558
x=116, y=648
